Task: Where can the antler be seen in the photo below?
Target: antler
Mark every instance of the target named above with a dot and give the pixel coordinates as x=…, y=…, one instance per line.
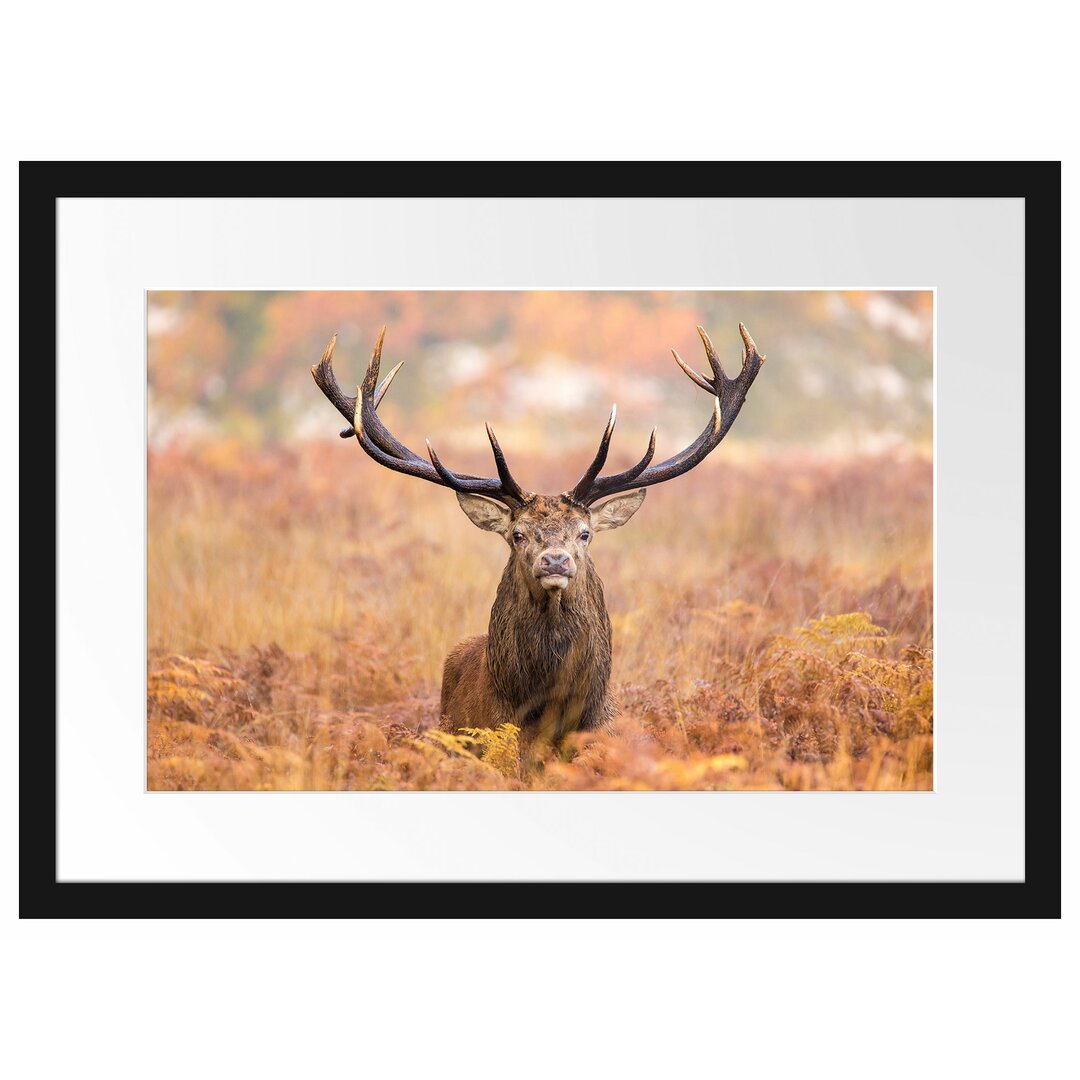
x=380, y=444
x=728, y=394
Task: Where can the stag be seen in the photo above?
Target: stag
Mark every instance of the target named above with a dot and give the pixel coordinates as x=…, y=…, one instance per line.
x=545, y=662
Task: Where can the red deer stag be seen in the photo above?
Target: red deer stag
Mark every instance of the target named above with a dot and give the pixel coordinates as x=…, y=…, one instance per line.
x=545, y=661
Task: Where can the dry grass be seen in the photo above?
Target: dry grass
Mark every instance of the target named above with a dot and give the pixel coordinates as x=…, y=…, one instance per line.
x=301, y=604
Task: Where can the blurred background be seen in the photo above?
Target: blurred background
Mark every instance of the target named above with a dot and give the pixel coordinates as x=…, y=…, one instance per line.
x=772, y=610
x=848, y=371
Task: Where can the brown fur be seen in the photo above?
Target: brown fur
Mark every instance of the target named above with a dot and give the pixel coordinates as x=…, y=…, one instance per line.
x=545, y=661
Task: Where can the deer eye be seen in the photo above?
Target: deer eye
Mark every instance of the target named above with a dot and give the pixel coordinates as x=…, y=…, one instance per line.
x=584, y=535
x=519, y=538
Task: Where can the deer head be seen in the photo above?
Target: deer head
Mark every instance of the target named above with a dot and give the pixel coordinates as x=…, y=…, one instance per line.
x=549, y=535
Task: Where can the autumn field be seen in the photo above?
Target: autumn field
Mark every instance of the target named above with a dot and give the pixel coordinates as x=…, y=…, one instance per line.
x=772, y=609
x=772, y=618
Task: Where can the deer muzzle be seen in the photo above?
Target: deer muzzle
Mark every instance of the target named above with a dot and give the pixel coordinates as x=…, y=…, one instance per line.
x=555, y=569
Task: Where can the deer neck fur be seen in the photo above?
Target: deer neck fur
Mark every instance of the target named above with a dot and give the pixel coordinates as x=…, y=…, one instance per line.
x=549, y=655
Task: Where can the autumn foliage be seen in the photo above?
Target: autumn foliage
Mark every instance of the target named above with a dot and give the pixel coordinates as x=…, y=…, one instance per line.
x=773, y=627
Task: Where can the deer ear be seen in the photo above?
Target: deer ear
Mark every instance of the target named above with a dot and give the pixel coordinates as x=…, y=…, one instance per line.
x=484, y=513
x=617, y=511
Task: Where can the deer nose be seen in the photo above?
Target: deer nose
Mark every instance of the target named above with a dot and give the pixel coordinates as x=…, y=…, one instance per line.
x=555, y=563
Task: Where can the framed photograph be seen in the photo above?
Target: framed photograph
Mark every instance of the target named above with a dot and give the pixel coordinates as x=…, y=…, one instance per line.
x=366, y=595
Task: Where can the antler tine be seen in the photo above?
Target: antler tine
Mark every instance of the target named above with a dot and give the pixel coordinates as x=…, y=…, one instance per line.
x=749, y=348
x=451, y=479
x=511, y=486
x=377, y=432
x=323, y=374
x=714, y=360
x=701, y=380
x=728, y=398
x=380, y=391
x=627, y=477
x=375, y=361
x=582, y=487
x=380, y=445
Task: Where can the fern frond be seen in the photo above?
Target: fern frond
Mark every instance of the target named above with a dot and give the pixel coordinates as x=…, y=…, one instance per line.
x=499, y=747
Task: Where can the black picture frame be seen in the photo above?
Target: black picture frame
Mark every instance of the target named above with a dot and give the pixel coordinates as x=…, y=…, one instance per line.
x=42, y=183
